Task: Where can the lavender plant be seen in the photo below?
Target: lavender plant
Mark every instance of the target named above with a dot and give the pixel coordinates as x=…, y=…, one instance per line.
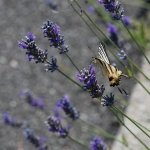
x=54, y=123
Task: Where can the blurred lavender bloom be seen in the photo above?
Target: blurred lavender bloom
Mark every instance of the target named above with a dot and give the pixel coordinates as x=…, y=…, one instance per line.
x=52, y=32
x=52, y=5
x=127, y=21
x=108, y=101
x=36, y=102
x=112, y=30
x=39, y=142
x=114, y=7
x=91, y=9
x=89, y=79
x=54, y=125
x=41, y=103
x=122, y=55
x=11, y=121
x=6, y=118
x=52, y=65
x=71, y=111
x=97, y=144
x=33, y=51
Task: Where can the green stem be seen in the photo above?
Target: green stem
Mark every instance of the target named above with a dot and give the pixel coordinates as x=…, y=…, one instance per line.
x=118, y=110
x=141, y=84
x=97, y=130
x=129, y=129
x=138, y=69
x=78, y=142
x=69, y=78
x=72, y=62
x=135, y=42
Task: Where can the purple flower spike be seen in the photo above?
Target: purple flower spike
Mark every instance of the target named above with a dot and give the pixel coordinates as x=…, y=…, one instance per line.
x=33, y=52
x=90, y=82
x=36, y=102
x=52, y=32
x=11, y=121
x=114, y=7
x=54, y=125
x=71, y=111
x=97, y=144
x=108, y=101
x=6, y=118
x=52, y=65
x=39, y=142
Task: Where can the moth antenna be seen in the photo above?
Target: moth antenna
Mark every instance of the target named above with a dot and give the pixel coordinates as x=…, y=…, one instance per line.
x=120, y=90
x=125, y=92
x=91, y=50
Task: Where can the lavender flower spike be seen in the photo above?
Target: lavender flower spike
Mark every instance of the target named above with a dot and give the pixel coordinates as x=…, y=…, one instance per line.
x=52, y=65
x=54, y=125
x=71, y=111
x=33, y=51
x=39, y=142
x=8, y=120
x=52, y=32
x=97, y=144
x=90, y=82
x=114, y=7
x=108, y=101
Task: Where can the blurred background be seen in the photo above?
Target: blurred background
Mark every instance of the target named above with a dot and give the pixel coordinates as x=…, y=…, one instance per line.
x=17, y=73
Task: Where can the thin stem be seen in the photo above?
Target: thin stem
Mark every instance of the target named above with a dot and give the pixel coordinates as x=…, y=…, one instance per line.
x=138, y=69
x=69, y=78
x=78, y=142
x=72, y=62
x=129, y=129
x=135, y=41
x=101, y=131
x=141, y=84
x=118, y=110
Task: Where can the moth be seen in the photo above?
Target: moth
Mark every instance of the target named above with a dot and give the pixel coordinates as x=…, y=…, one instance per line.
x=113, y=74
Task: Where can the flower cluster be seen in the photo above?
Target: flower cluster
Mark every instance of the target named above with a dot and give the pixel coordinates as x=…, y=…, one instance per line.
x=97, y=144
x=71, y=111
x=52, y=32
x=33, y=51
x=89, y=79
x=51, y=65
x=36, y=102
x=39, y=142
x=114, y=7
x=8, y=120
x=108, y=101
x=54, y=125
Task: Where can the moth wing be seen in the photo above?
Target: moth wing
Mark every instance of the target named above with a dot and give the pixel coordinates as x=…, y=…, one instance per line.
x=102, y=53
x=104, y=59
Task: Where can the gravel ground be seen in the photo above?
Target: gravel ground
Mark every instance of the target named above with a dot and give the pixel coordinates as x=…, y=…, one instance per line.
x=17, y=18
